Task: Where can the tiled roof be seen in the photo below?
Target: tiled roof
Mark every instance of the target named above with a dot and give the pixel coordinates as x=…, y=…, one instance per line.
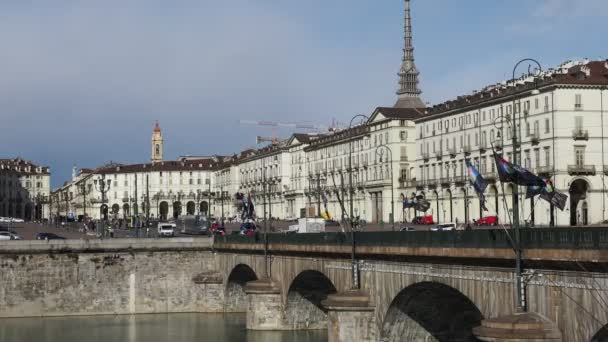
x=593, y=73
x=22, y=166
x=401, y=113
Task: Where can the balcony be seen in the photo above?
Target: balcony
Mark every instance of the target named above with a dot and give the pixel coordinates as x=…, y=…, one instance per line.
x=460, y=180
x=452, y=152
x=125, y=199
x=403, y=158
x=489, y=176
x=581, y=170
x=535, y=138
x=445, y=182
x=483, y=147
x=498, y=144
x=425, y=156
x=544, y=170
x=606, y=170
x=466, y=149
x=580, y=134
x=438, y=154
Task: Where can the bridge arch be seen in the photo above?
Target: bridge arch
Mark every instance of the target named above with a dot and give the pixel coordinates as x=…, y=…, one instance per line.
x=601, y=335
x=235, y=297
x=303, y=309
x=430, y=311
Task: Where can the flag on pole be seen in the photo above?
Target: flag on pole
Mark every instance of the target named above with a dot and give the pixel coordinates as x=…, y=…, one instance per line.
x=478, y=183
x=409, y=203
x=250, y=208
x=422, y=204
x=513, y=173
x=533, y=190
x=548, y=193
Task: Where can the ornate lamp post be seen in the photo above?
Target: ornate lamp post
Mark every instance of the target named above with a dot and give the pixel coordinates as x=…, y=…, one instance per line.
x=521, y=295
x=208, y=182
x=66, y=198
x=354, y=266
x=380, y=151
x=102, y=185
x=82, y=188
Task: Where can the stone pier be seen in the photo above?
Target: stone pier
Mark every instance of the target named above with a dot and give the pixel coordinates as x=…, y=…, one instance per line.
x=351, y=317
x=264, y=308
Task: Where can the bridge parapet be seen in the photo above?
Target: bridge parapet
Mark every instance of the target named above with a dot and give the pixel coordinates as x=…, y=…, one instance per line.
x=108, y=245
x=558, y=244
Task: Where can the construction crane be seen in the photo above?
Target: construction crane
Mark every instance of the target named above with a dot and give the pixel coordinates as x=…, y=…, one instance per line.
x=275, y=124
x=260, y=139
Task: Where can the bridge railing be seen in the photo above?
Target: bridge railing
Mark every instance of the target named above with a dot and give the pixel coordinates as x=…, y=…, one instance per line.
x=555, y=238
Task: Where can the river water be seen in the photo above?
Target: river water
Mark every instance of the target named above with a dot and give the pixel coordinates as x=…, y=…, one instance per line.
x=145, y=328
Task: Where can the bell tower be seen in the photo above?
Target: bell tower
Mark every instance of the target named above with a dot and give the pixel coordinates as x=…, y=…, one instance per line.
x=157, y=144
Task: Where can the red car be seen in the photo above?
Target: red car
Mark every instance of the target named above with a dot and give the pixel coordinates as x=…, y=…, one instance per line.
x=428, y=219
x=487, y=221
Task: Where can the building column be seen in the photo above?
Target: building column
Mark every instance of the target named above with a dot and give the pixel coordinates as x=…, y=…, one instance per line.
x=264, y=305
x=351, y=317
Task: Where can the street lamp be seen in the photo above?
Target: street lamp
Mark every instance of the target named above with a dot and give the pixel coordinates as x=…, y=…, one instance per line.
x=66, y=197
x=521, y=296
x=208, y=182
x=102, y=185
x=84, y=192
x=354, y=266
x=380, y=152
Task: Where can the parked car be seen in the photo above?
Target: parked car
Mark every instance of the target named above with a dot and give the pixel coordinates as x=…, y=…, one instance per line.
x=444, y=227
x=407, y=229
x=332, y=223
x=427, y=219
x=48, y=236
x=487, y=221
x=166, y=229
x=6, y=235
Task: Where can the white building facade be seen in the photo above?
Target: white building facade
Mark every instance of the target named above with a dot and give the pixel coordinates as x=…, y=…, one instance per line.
x=560, y=127
x=24, y=189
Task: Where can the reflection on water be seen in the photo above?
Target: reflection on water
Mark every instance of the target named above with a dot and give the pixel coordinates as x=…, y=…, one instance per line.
x=145, y=328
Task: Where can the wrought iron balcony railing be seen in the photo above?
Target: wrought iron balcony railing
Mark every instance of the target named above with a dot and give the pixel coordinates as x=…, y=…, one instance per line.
x=580, y=134
x=581, y=169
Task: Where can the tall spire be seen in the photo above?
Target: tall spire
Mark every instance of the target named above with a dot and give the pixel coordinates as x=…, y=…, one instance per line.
x=409, y=93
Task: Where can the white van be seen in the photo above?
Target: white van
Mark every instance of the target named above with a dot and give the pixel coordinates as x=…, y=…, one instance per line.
x=166, y=229
x=444, y=227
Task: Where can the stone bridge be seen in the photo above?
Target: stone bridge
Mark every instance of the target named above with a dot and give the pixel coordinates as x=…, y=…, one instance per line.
x=410, y=286
x=414, y=288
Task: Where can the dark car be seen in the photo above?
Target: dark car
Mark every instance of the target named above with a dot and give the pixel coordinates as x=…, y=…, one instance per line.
x=332, y=223
x=407, y=229
x=48, y=236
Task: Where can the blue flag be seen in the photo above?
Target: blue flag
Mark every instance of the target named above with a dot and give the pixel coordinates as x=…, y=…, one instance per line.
x=513, y=173
x=478, y=183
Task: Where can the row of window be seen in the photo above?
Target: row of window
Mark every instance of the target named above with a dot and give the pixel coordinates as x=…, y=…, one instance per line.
x=531, y=159
x=481, y=139
x=443, y=126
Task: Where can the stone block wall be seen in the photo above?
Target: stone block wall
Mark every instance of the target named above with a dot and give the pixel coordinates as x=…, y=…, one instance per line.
x=85, y=283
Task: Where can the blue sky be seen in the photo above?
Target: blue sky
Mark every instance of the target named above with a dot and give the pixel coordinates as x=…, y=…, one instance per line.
x=82, y=82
